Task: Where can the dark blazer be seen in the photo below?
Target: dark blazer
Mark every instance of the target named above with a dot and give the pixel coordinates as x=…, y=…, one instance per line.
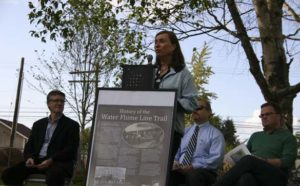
x=64, y=143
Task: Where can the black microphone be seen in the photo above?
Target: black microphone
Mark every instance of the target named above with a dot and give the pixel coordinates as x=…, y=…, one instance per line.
x=149, y=59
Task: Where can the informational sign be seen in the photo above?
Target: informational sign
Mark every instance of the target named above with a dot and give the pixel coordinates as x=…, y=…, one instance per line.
x=131, y=137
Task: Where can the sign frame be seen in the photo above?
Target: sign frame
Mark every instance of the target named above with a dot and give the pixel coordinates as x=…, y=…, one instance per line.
x=131, y=137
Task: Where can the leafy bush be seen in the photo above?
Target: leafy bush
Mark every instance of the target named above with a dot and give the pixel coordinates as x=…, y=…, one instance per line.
x=79, y=177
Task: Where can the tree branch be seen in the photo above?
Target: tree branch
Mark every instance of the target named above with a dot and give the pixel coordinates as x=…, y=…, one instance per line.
x=292, y=90
x=292, y=12
x=294, y=38
x=295, y=33
x=224, y=40
x=245, y=41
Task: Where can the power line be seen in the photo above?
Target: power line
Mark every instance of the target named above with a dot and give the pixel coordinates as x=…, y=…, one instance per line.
x=27, y=110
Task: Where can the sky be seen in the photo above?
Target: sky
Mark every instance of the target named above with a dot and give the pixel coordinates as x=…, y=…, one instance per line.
x=239, y=97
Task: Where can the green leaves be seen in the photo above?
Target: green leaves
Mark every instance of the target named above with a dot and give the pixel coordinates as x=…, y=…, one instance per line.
x=201, y=71
x=30, y=5
x=48, y=18
x=57, y=19
x=132, y=2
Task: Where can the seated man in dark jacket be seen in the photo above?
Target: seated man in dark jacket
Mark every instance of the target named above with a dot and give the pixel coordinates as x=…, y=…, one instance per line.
x=51, y=148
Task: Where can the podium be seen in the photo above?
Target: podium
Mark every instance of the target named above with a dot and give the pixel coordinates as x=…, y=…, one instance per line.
x=138, y=77
x=132, y=132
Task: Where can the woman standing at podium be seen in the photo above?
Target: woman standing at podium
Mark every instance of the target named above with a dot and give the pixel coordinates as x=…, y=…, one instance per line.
x=173, y=74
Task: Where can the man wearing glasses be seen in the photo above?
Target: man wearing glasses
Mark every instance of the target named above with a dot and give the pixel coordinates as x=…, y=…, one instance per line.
x=51, y=149
x=201, y=151
x=273, y=150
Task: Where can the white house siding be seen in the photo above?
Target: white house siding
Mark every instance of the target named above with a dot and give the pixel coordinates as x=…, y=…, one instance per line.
x=5, y=133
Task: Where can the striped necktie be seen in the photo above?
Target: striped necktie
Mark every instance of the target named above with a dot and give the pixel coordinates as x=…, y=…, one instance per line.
x=187, y=159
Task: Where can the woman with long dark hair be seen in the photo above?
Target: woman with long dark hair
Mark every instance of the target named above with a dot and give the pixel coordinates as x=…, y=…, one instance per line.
x=173, y=74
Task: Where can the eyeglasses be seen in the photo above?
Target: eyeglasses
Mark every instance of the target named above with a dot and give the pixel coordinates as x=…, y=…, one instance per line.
x=200, y=108
x=57, y=100
x=266, y=114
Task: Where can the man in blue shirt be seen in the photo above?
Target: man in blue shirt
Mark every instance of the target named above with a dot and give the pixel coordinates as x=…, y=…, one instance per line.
x=198, y=167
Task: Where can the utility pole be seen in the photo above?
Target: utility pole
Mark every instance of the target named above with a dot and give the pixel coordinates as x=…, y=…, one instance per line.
x=96, y=81
x=85, y=83
x=16, y=112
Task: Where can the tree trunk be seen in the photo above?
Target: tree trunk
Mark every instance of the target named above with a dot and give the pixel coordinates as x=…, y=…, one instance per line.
x=272, y=75
x=274, y=63
x=286, y=105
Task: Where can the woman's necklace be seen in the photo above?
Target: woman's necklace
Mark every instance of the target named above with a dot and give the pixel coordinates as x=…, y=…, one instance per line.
x=163, y=71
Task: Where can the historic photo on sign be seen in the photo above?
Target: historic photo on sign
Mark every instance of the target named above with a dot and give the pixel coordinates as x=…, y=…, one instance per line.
x=143, y=135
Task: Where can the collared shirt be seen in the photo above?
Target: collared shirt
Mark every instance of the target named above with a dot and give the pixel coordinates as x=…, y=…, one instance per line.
x=158, y=78
x=210, y=148
x=49, y=132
